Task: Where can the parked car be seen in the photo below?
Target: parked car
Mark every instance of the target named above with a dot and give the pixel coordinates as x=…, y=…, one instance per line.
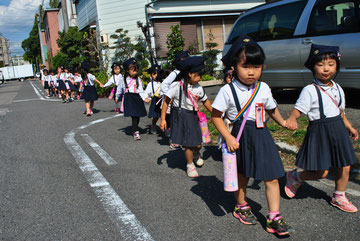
x=286, y=29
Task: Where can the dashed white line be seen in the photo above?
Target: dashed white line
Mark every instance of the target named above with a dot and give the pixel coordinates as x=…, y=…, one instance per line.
x=37, y=92
x=101, y=152
x=126, y=222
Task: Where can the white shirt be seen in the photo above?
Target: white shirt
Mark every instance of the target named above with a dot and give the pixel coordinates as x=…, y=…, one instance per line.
x=77, y=79
x=149, y=90
x=308, y=102
x=174, y=94
x=91, y=79
x=114, y=80
x=61, y=76
x=54, y=78
x=69, y=76
x=225, y=101
x=168, y=81
x=133, y=89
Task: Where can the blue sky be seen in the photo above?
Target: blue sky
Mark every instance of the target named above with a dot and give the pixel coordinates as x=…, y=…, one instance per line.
x=16, y=21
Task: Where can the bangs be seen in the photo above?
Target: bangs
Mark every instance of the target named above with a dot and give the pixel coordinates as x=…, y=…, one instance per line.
x=325, y=56
x=133, y=66
x=251, y=54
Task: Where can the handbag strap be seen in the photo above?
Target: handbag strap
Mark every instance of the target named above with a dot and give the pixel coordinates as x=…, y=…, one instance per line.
x=332, y=99
x=193, y=98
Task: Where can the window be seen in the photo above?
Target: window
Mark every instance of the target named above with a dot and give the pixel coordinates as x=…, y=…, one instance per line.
x=274, y=23
x=333, y=17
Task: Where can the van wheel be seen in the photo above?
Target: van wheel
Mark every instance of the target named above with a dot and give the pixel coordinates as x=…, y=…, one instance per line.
x=21, y=80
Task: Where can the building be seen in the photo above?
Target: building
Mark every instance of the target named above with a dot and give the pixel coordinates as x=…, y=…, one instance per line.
x=66, y=15
x=5, y=59
x=18, y=60
x=199, y=20
x=51, y=32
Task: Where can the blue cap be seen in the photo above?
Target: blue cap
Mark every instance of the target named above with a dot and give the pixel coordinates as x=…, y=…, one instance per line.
x=181, y=55
x=317, y=50
x=128, y=62
x=85, y=66
x=192, y=64
x=241, y=41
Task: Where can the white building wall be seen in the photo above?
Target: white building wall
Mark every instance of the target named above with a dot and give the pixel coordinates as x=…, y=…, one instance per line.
x=86, y=13
x=61, y=20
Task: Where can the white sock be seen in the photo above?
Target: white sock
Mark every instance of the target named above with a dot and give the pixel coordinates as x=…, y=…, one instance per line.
x=341, y=193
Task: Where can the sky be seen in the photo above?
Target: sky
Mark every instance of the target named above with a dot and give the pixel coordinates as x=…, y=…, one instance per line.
x=16, y=21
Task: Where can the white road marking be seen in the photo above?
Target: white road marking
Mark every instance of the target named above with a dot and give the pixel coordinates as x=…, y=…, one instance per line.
x=36, y=91
x=25, y=100
x=101, y=152
x=126, y=222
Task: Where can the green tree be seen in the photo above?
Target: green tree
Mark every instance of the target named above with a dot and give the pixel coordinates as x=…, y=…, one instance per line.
x=143, y=57
x=60, y=59
x=92, y=52
x=210, y=55
x=175, y=43
x=72, y=46
x=122, y=45
x=31, y=45
x=53, y=3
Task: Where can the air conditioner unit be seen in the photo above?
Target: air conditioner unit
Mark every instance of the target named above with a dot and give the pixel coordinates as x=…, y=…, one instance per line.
x=103, y=39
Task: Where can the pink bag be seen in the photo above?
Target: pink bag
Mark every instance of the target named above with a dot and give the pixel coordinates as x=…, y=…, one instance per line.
x=67, y=85
x=204, y=127
x=111, y=96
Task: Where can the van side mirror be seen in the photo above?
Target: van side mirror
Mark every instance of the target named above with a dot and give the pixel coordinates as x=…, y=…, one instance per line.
x=348, y=21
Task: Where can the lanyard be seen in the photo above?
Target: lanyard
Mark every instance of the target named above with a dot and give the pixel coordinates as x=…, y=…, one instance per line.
x=193, y=98
x=333, y=100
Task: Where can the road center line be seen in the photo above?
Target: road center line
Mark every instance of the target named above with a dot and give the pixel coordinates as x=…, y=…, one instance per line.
x=101, y=152
x=37, y=92
x=125, y=221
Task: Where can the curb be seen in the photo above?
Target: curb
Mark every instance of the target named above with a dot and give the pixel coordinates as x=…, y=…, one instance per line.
x=284, y=147
x=209, y=83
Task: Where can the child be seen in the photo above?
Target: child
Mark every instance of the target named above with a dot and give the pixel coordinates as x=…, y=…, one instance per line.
x=89, y=94
x=79, y=83
x=153, y=92
x=53, y=82
x=133, y=95
x=61, y=78
x=114, y=80
x=46, y=80
x=185, y=93
x=228, y=75
x=256, y=154
x=326, y=143
x=70, y=87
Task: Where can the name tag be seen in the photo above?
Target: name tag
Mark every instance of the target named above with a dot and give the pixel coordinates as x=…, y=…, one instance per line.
x=259, y=115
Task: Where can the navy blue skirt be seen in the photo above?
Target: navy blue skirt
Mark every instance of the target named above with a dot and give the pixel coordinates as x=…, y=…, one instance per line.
x=89, y=93
x=258, y=156
x=46, y=85
x=326, y=144
x=61, y=85
x=155, y=108
x=133, y=105
x=72, y=87
x=185, y=129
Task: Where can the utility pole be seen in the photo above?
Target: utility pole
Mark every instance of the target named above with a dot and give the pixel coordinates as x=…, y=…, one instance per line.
x=40, y=35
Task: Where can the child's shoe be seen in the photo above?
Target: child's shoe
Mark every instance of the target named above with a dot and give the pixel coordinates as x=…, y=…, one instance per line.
x=167, y=132
x=191, y=170
x=245, y=215
x=78, y=97
x=174, y=146
x=198, y=160
x=137, y=135
x=278, y=225
x=292, y=185
x=88, y=112
x=153, y=130
x=91, y=111
x=341, y=202
x=63, y=101
x=117, y=110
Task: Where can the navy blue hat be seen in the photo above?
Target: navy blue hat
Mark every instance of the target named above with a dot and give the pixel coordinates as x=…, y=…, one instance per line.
x=317, y=50
x=128, y=62
x=192, y=64
x=237, y=45
x=115, y=64
x=181, y=55
x=154, y=69
x=85, y=66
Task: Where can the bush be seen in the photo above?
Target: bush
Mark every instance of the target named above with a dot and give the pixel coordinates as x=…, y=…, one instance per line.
x=103, y=78
x=207, y=77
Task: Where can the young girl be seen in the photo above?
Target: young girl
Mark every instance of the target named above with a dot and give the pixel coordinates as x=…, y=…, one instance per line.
x=153, y=92
x=133, y=95
x=61, y=78
x=185, y=94
x=46, y=80
x=115, y=79
x=70, y=85
x=256, y=154
x=326, y=144
x=53, y=82
x=89, y=94
x=79, y=83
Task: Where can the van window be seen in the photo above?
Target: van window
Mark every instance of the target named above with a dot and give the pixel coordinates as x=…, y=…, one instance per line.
x=334, y=17
x=269, y=24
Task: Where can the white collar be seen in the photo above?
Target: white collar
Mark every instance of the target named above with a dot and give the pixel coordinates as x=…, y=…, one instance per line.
x=241, y=86
x=324, y=86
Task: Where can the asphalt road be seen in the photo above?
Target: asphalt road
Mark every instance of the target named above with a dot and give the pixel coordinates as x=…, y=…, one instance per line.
x=65, y=176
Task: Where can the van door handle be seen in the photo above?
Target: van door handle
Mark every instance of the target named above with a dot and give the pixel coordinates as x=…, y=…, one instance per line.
x=307, y=41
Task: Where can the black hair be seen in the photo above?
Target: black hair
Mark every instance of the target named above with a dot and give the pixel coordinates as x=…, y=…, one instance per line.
x=136, y=66
x=227, y=73
x=51, y=71
x=45, y=71
x=254, y=55
x=166, y=73
x=112, y=69
x=76, y=70
x=184, y=75
x=323, y=57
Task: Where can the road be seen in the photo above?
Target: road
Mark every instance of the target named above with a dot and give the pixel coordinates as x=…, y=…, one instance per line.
x=65, y=176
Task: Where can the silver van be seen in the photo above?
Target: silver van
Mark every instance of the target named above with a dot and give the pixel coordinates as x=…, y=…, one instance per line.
x=286, y=29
